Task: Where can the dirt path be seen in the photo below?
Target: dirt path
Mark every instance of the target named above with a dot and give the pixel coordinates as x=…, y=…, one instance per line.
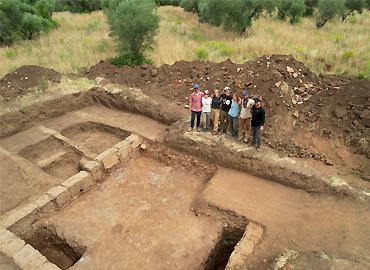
x=293, y=219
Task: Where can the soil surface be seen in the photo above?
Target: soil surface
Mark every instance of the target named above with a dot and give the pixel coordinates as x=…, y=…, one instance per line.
x=140, y=218
x=25, y=79
x=324, y=117
x=293, y=219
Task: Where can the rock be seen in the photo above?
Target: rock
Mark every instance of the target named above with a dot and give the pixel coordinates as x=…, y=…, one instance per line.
x=296, y=114
x=153, y=72
x=143, y=146
x=186, y=106
x=278, y=84
x=340, y=112
x=295, y=75
x=289, y=69
x=365, y=114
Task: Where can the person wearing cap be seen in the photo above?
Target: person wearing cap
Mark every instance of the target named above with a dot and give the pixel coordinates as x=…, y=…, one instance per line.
x=225, y=107
x=195, y=105
x=215, y=110
x=233, y=115
x=206, y=110
x=245, y=116
x=257, y=123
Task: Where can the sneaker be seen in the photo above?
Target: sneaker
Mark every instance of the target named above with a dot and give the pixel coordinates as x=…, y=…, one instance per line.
x=199, y=130
x=240, y=138
x=190, y=129
x=258, y=148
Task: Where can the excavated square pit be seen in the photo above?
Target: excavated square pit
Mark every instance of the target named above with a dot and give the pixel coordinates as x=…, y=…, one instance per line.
x=53, y=157
x=96, y=137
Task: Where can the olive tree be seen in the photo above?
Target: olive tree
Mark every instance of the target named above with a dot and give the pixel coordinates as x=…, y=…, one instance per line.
x=134, y=24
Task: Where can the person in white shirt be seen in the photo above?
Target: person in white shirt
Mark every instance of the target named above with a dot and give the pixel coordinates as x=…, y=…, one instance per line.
x=245, y=116
x=206, y=110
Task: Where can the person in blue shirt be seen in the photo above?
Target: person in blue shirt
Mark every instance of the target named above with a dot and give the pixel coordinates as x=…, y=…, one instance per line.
x=233, y=115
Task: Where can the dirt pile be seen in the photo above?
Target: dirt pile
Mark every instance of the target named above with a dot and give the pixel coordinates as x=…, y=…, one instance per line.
x=299, y=103
x=24, y=79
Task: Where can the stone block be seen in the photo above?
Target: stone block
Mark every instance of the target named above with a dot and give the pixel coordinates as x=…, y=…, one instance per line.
x=49, y=266
x=60, y=195
x=29, y=258
x=12, y=217
x=109, y=158
x=95, y=170
x=10, y=243
x=45, y=204
x=134, y=140
x=78, y=183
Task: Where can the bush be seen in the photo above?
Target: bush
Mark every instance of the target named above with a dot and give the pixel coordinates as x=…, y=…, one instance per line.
x=168, y=2
x=134, y=23
x=201, y=53
x=189, y=5
x=294, y=9
x=78, y=6
x=22, y=19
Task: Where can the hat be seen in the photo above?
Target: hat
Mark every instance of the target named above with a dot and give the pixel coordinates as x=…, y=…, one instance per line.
x=245, y=93
x=206, y=92
x=227, y=88
x=196, y=86
x=256, y=100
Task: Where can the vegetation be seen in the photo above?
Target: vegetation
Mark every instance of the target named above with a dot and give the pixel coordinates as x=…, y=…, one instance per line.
x=340, y=48
x=134, y=24
x=78, y=6
x=24, y=19
x=237, y=15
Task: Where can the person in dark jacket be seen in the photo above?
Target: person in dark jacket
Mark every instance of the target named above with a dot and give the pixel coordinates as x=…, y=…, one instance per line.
x=257, y=123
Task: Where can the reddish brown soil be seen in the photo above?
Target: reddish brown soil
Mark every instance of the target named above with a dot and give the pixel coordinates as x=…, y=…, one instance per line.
x=331, y=125
x=23, y=79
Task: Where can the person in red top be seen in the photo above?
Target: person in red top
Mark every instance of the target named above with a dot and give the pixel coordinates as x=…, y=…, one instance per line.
x=195, y=105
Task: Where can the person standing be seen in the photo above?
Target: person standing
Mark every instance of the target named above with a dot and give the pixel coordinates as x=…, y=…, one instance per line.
x=206, y=110
x=233, y=115
x=258, y=121
x=215, y=110
x=245, y=116
x=225, y=107
x=195, y=105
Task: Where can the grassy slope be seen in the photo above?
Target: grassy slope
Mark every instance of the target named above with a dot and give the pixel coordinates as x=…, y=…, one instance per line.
x=82, y=40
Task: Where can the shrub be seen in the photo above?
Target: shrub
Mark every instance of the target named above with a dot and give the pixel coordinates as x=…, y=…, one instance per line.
x=294, y=9
x=22, y=19
x=202, y=53
x=78, y=6
x=134, y=24
x=348, y=55
x=328, y=9
x=189, y=5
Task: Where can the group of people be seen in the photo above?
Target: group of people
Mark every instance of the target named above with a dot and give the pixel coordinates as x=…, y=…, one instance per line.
x=242, y=118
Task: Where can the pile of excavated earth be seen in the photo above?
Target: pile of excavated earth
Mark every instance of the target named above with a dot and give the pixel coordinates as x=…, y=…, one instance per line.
x=109, y=177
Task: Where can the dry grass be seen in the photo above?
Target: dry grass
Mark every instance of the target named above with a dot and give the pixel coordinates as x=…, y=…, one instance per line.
x=341, y=48
x=82, y=40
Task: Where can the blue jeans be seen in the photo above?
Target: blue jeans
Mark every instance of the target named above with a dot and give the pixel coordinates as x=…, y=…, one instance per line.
x=193, y=114
x=257, y=139
x=234, y=125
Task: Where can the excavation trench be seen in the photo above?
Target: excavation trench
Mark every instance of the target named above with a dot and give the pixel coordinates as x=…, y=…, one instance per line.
x=59, y=251
x=221, y=252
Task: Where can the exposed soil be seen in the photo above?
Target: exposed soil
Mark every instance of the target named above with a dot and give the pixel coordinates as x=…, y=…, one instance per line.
x=96, y=137
x=300, y=105
x=293, y=219
x=24, y=79
x=53, y=157
x=54, y=248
